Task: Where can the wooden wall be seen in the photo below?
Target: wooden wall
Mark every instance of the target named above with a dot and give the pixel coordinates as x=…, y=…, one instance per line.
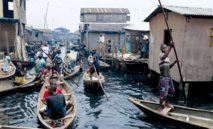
x=105, y=18
x=10, y=28
x=192, y=37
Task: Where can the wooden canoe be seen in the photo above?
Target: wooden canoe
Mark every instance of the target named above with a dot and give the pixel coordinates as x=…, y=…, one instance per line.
x=179, y=116
x=9, y=84
x=76, y=70
x=94, y=83
x=69, y=96
x=23, y=63
x=14, y=127
x=4, y=75
x=104, y=66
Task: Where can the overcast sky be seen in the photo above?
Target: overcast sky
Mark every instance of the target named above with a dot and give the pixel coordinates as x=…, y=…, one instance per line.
x=66, y=13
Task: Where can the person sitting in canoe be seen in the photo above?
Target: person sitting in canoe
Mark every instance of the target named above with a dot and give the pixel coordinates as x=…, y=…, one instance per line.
x=166, y=84
x=78, y=58
x=40, y=77
x=6, y=67
x=58, y=62
x=39, y=63
x=56, y=104
x=70, y=61
x=95, y=64
x=19, y=75
x=48, y=71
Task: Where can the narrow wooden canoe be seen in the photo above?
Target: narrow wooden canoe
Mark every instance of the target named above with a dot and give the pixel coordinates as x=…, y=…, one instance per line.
x=69, y=96
x=179, y=116
x=24, y=63
x=4, y=75
x=76, y=70
x=14, y=127
x=104, y=66
x=94, y=83
x=9, y=84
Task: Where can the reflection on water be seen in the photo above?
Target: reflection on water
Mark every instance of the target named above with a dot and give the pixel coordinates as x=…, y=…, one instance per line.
x=94, y=111
x=19, y=108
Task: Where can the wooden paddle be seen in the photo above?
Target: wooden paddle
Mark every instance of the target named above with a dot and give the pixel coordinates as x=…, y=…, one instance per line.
x=100, y=82
x=52, y=60
x=181, y=77
x=71, y=78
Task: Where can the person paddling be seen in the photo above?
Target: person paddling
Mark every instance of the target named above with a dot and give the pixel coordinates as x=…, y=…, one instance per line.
x=166, y=84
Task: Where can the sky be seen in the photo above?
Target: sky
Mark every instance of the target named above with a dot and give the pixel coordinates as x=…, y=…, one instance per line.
x=66, y=13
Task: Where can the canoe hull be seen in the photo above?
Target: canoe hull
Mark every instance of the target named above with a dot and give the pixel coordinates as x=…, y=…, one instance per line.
x=153, y=113
x=8, y=86
x=71, y=113
x=24, y=63
x=76, y=71
x=8, y=75
x=94, y=83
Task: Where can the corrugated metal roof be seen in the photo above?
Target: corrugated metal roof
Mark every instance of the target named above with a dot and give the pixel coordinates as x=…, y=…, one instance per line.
x=105, y=10
x=143, y=26
x=186, y=11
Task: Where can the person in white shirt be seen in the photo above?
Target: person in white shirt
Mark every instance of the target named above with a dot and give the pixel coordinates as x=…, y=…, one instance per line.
x=101, y=41
x=6, y=67
x=101, y=38
x=46, y=49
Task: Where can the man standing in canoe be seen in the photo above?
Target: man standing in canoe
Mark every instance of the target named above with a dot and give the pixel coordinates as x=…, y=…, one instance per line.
x=95, y=64
x=166, y=84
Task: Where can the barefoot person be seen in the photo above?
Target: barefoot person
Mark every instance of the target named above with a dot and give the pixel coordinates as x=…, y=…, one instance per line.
x=166, y=85
x=95, y=63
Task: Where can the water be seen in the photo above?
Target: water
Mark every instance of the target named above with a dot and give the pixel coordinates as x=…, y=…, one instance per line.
x=94, y=111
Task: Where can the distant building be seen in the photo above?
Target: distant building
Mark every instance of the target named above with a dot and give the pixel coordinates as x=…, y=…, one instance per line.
x=134, y=36
x=33, y=35
x=12, y=22
x=62, y=30
x=108, y=21
x=74, y=37
x=192, y=31
x=47, y=35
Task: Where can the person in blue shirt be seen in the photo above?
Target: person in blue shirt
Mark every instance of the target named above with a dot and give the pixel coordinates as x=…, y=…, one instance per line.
x=95, y=64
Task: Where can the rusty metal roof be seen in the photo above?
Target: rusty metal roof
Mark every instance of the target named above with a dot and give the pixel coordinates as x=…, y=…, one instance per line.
x=185, y=11
x=143, y=26
x=104, y=11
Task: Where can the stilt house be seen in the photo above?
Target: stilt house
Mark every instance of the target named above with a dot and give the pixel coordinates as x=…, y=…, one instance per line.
x=192, y=31
x=108, y=21
x=12, y=24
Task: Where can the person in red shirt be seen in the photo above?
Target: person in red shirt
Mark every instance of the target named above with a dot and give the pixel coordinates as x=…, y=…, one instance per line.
x=46, y=94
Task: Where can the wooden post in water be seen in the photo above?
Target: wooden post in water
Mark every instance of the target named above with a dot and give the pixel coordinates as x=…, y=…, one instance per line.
x=122, y=52
x=112, y=54
x=6, y=38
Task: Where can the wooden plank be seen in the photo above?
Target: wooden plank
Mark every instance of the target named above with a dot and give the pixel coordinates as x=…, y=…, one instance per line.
x=49, y=120
x=14, y=127
x=166, y=110
x=67, y=94
x=59, y=83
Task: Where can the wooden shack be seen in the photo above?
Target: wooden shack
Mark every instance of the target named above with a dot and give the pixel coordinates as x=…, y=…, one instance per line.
x=108, y=21
x=33, y=35
x=12, y=23
x=192, y=31
x=135, y=33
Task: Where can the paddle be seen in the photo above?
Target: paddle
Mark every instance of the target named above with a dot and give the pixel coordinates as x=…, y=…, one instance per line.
x=71, y=78
x=181, y=77
x=52, y=60
x=100, y=82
